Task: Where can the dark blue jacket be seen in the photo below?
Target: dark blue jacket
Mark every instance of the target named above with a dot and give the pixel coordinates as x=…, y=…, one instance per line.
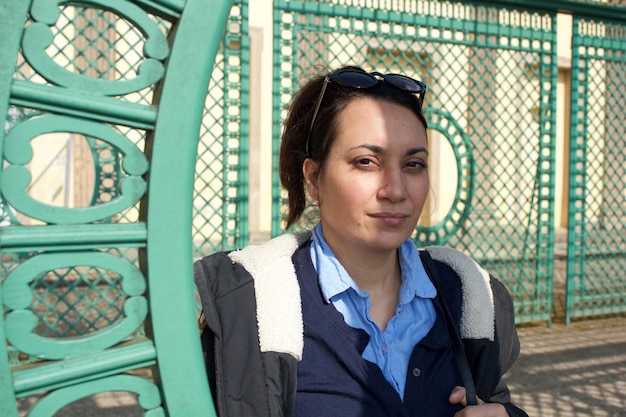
x=317, y=370
x=334, y=379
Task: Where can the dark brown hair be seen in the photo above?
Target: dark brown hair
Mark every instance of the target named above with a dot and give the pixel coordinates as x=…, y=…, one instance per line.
x=296, y=129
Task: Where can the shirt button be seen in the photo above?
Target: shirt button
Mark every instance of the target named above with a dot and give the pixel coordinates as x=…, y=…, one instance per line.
x=416, y=372
x=385, y=350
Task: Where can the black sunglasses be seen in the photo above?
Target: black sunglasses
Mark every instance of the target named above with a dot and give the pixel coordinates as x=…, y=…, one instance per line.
x=359, y=79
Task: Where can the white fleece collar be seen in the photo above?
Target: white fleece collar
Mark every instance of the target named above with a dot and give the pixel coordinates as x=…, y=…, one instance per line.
x=280, y=323
x=478, y=311
x=279, y=311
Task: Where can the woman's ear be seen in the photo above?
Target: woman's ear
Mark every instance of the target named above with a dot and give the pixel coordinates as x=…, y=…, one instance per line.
x=310, y=170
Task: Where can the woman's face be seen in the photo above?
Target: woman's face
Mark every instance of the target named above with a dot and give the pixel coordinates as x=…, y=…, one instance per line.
x=373, y=185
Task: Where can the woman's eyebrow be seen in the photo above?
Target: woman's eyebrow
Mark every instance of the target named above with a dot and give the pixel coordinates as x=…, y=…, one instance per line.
x=373, y=148
x=380, y=150
x=419, y=149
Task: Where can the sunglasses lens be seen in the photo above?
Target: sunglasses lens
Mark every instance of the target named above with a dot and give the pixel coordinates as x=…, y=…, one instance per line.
x=405, y=83
x=355, y=79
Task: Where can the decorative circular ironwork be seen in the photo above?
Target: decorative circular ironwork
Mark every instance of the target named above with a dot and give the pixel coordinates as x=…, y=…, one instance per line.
x=441, y=232
x=21, y=320
x=17, y=176
x=39, y=35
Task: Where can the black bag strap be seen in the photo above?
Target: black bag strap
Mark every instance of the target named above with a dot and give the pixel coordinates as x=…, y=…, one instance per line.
x=459, y=353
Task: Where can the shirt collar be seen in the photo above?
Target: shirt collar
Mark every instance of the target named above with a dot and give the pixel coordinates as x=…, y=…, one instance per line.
x=334, y=279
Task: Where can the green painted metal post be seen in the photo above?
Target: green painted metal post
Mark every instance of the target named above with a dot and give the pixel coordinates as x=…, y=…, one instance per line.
x=167, y=209
x=13, y=14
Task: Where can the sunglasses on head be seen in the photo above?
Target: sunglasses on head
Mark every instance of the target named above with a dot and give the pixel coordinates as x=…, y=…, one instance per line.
x=362, y=80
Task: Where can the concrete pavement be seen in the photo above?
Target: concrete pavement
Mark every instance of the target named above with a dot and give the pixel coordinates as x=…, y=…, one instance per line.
x=578, y=370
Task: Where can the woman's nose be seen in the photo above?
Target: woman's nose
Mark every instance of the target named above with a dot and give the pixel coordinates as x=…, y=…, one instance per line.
x=392, y=186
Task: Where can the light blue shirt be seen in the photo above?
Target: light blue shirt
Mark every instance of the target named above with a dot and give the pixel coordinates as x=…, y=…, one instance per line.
x=414, y=317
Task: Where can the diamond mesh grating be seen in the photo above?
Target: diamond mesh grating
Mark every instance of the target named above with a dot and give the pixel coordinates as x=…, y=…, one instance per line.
x=596, y=246
x=79, y=300
x=490, y=71
x=221, y=190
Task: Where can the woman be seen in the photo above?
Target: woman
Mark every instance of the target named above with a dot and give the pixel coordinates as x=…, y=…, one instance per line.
x=350, y=319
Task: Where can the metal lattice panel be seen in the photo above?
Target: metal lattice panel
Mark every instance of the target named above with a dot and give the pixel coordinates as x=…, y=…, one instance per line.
x=98, y=105
x=597, y=245
x=88, y=41
x=220, y=218
x=74, y=301
x=491, y=77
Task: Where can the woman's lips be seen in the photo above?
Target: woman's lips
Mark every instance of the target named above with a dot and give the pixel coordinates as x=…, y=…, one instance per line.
x=390, y=219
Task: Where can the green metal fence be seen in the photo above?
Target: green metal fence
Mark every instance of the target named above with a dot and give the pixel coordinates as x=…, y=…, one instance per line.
x=220, y=205
x=492, y=73
x=220, y=190
x=491, y=76
x=106, y=90
x=71, y=270
x=596, y=256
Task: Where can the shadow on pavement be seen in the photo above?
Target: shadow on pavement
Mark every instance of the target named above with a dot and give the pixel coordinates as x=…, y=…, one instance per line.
x=579, y=370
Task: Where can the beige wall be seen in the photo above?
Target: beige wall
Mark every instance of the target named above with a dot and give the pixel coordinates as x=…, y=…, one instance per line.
x=260, y=13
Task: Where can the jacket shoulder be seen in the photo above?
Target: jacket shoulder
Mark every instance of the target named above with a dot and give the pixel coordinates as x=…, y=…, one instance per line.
x=478, y=307
x=279, y=311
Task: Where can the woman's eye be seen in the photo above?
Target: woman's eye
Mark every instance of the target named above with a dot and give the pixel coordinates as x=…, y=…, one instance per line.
x=417, y=164
x=364, y=161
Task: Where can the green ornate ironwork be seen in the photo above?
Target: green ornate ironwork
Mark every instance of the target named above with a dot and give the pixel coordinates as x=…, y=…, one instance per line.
x=491, y=72
x=220, y=202
x=596, y=255
x=219, y=193
x=74, y=279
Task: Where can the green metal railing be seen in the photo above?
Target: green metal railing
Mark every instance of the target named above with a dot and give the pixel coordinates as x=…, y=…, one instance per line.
x=596, y=255
x=220, y=194
x=115, y=79
x=164, y=179
x=220, y=203
x=491, y=74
